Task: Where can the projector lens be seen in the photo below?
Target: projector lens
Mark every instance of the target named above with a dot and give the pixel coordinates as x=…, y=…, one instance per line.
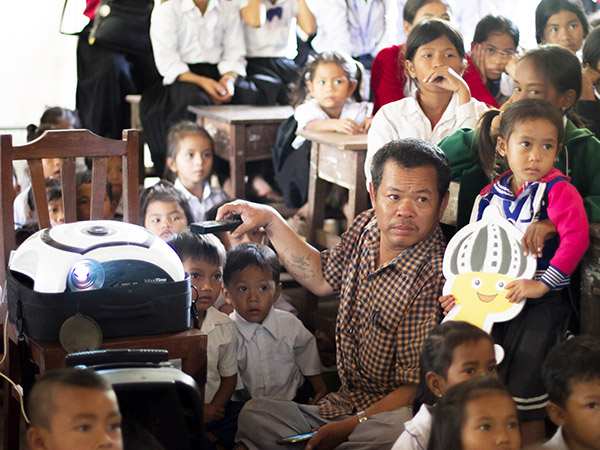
x=86, y=275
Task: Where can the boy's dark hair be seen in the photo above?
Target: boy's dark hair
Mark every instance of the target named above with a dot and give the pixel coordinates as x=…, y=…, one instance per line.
x=53, y=192
x=411, y=7
x=352, y=68
x=523, y=110
x=203, y=247
x=591, y=49
x=575, y=360
x=251, y=254
x=85, y=177
x=26, y=230
x=164, y=191
x=547, y=8
x=429, y=30
x=491, y=24
x=41, y=402
x=449, y=412
x=412, y=153
x=437, y=351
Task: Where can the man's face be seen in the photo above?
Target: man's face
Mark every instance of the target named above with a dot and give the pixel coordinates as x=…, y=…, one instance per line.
x=84, y=419
x=407, y=206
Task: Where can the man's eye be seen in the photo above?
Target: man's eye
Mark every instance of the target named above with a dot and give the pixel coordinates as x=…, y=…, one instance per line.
x=393, y=197
x=422, y=199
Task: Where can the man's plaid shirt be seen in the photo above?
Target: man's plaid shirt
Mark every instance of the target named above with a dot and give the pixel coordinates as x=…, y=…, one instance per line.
x=384, y=315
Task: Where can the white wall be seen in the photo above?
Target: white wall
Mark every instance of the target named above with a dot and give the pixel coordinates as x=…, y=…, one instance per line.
x=37, y=67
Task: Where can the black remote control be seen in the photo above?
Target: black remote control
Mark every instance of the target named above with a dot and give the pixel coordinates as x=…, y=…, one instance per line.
x=216, y=226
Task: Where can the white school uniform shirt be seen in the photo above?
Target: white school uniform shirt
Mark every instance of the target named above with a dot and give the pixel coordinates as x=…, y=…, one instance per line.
x=270, y=40
x=22, y=213
x=311, y=110
x=182, y=35
x=275, y=356
x=210, y=197
x=416, y=431
x=405, y=118
x=221, y=350
x=557, y=442
x=357, y=27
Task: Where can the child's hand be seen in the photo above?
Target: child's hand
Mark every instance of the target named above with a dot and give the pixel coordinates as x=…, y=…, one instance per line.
x=589, y=80
x=213, y=413
x=535, y=236
x=478, y=57
x=346, y=126
x=318, y=385
x=215, y=90
x=447, y=302
x=364, y=126
x=446, y=78
x=520, y=289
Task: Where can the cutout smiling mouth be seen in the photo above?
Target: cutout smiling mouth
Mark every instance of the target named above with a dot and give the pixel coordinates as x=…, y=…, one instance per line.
x=486, y=298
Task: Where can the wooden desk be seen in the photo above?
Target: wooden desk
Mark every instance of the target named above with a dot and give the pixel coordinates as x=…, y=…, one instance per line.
x=339, y=159
x=241, y=134
x=188, y=345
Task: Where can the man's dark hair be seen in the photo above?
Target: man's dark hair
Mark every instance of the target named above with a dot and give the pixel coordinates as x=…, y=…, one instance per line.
x=203, y=247
x=251, y=254
x=412, y=153
x=573, y=361
x=41, y=402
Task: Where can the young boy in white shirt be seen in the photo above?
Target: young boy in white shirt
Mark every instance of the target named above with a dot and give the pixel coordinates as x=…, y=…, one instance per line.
x=276, y=354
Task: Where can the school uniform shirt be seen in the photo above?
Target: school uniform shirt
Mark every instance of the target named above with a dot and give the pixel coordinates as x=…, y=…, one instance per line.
x=357, y=27
x=210, y=197
x=182, y=35
x=557, y=442
x=270, y=40
x=416, y=431
x=384, y=315
x=22, y=213
x=405, y=118
x=221, y=350
x=311, y=110
x=275, y=356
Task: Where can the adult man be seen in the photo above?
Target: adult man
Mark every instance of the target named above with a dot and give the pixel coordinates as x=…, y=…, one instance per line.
x=387, y=272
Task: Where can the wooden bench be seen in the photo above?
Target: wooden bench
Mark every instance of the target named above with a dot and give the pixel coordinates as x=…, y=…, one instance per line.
x=339, y=159
x=241, y=134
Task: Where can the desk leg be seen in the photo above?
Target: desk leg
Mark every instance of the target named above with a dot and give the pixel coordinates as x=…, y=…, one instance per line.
x=237, y=160
x=12, y=407
x=316, y=197
x=357, y=194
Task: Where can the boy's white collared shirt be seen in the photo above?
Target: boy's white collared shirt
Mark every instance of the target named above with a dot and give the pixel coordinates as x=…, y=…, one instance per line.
x=557, y=442
x=210, y=197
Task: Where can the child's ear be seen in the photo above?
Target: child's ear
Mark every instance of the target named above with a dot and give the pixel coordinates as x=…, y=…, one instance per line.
x=171, y=164
x=567, y=99
x=309, y=86
x=410, y=69
x=225, y=294
x=436, y=383
x=556, y=414
x=352, y=87
x=35, y=438
x=277, y=292
x=501, y=146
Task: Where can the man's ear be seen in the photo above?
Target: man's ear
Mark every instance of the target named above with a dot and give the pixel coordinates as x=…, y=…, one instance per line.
x=35, y=438
x=372, y=192
x=556, y=414
x=436, y=383
x=444, y=204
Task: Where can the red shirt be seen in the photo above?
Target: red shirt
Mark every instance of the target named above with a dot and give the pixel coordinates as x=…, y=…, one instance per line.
x=90, y=8
x=388, y=78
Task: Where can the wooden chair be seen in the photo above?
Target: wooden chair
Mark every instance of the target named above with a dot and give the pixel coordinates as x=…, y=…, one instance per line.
x=66, y=145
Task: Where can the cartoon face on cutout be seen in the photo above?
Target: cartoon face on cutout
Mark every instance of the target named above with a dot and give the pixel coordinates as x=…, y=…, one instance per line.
x=480, y=261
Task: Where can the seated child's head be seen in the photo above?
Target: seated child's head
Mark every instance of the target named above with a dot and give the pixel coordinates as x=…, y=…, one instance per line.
x=251, y=280
x=114, y=174
x=73, y=409
x=54, y=118
x=190, y=153
x=571, y=374
x=455, y=351
x=477, y=414
x=499, y=37
x=330, y=78
x=591, y=55
x=26, y=230
x=416, y=10
x=257, y=236
x=51, y=166
x=84, y=197
x=561, y=22
x=203, y=257
x=54, y=197
x=164, y=210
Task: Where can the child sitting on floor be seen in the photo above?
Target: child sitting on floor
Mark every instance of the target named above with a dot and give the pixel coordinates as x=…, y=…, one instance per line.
x=203, y=257
x=72, y=409
x=275, y=352
x=571, y=374
x=83, y=182
x=55, y=204
x=164, y=210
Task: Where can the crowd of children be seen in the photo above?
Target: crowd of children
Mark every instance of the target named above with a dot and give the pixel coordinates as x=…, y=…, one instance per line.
x=536, y=159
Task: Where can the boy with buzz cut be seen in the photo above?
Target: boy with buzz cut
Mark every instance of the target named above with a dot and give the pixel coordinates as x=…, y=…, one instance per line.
x=73, y=409
x=276, y=354
x=571, y=374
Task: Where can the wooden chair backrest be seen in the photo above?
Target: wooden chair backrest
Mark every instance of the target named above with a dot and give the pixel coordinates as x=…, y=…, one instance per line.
x=66, y=145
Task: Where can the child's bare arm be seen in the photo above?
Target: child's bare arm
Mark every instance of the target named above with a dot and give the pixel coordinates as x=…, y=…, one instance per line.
x=447, y=302
x=536, y=235
x=252, y=13
x=225, y=391
x=318, y=385
x=306, y=19
x=364, y=126
x=346, y=126
x=520, y=289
